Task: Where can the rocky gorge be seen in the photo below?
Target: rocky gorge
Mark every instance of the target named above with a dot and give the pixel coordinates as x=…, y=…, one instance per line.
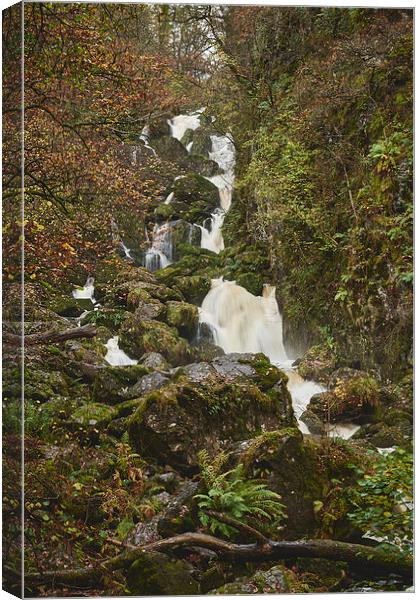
x=186, y=430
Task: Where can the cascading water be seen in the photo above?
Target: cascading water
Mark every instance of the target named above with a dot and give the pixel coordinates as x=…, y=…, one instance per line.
x=115, y=356
x=86, y=292
x=213, y=239
x=181, y=123
x=160, y=254
x=241, y=322
x=145, y=138
x=223, y=153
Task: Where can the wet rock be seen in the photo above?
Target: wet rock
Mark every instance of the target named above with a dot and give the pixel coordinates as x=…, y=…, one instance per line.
x=313, y=422
x=183, y=316
x=193, y=288
x=201, y=165
x=170, y=149
x=195, y=198
x=155, y=574
x=206, y=408
x=147, y=383
x=138, y=336
x=318, y=363
x=206, y=351
x=381, y=435
x=180, y=514
x=154, y=360
x=273, y=581
x=351, y=399
x=110, y=383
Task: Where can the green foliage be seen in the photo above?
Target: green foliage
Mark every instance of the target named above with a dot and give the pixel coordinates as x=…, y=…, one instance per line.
x=383, y=501
x=114, y=317
x=230, y=494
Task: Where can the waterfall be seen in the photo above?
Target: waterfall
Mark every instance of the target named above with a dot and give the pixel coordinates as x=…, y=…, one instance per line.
x=181, y=123
x=223, y=153
x=115, y=356
x=169, y=198
x=241, y=322
x=145, y=138
x=160, y=254
x=126, y=250
x=213, y=239
x=86, y=292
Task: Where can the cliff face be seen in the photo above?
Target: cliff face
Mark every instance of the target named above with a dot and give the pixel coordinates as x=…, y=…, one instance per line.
x=324, y=120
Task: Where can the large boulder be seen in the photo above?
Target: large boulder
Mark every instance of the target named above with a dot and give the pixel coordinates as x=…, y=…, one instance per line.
x=303, y=471
x=183, y=316
x=138, y=336
x=210, y=406
x=353, y=398
x=110, y=382
x=317, y=363
x=195, y=198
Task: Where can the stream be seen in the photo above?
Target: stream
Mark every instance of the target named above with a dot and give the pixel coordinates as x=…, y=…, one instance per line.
x=239, y=321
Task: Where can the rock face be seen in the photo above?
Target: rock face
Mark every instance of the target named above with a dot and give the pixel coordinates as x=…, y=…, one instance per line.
x=210, y=405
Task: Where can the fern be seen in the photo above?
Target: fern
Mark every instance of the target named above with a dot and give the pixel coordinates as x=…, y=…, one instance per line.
x=229, y=493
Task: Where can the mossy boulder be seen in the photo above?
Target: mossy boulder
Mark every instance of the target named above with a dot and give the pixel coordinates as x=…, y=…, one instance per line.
x=194, y=288
x=208, y=406
x=301, y=470
x=70, y=307
x=351, y=399
x=170, y=149
x=92, y=414
x=41, y=385
x=195, y=198
x=201, y=165
x=110, y=382
x=318, y=363
x=154, y=360
x=155, y=574
x=276, y=580
x=183, y=316
x=138, y=336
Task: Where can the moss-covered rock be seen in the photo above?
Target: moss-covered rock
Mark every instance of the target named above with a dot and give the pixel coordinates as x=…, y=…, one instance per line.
x=138, y=336
x=170, y=149
x=110, y=382
x=354, y=398
x=93, y=414
x=273, y=581
x=195, y=198
x=251, y=282
x=208, y=406
x=183, y=316
x=155, y=574
x=301, y=470
x=318, y=363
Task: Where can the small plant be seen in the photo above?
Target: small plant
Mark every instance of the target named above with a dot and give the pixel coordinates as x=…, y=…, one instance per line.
x=230, y=494
x=383, y=501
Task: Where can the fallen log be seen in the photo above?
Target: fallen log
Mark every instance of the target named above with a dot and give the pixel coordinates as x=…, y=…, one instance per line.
x=356, y=555
x=50, y=337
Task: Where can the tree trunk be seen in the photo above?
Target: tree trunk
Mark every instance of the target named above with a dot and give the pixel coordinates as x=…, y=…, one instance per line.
x=50, y=337
x=358, y=556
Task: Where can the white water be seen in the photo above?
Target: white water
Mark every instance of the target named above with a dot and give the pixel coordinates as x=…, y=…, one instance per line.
x=115, y=356
x=159, y=255
x=223, y=153
x=145, y=137
x=181, y=123
x=169, y=198
x=213, y=239
x=86, y=292
x=241, y=322
x=126, y=250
